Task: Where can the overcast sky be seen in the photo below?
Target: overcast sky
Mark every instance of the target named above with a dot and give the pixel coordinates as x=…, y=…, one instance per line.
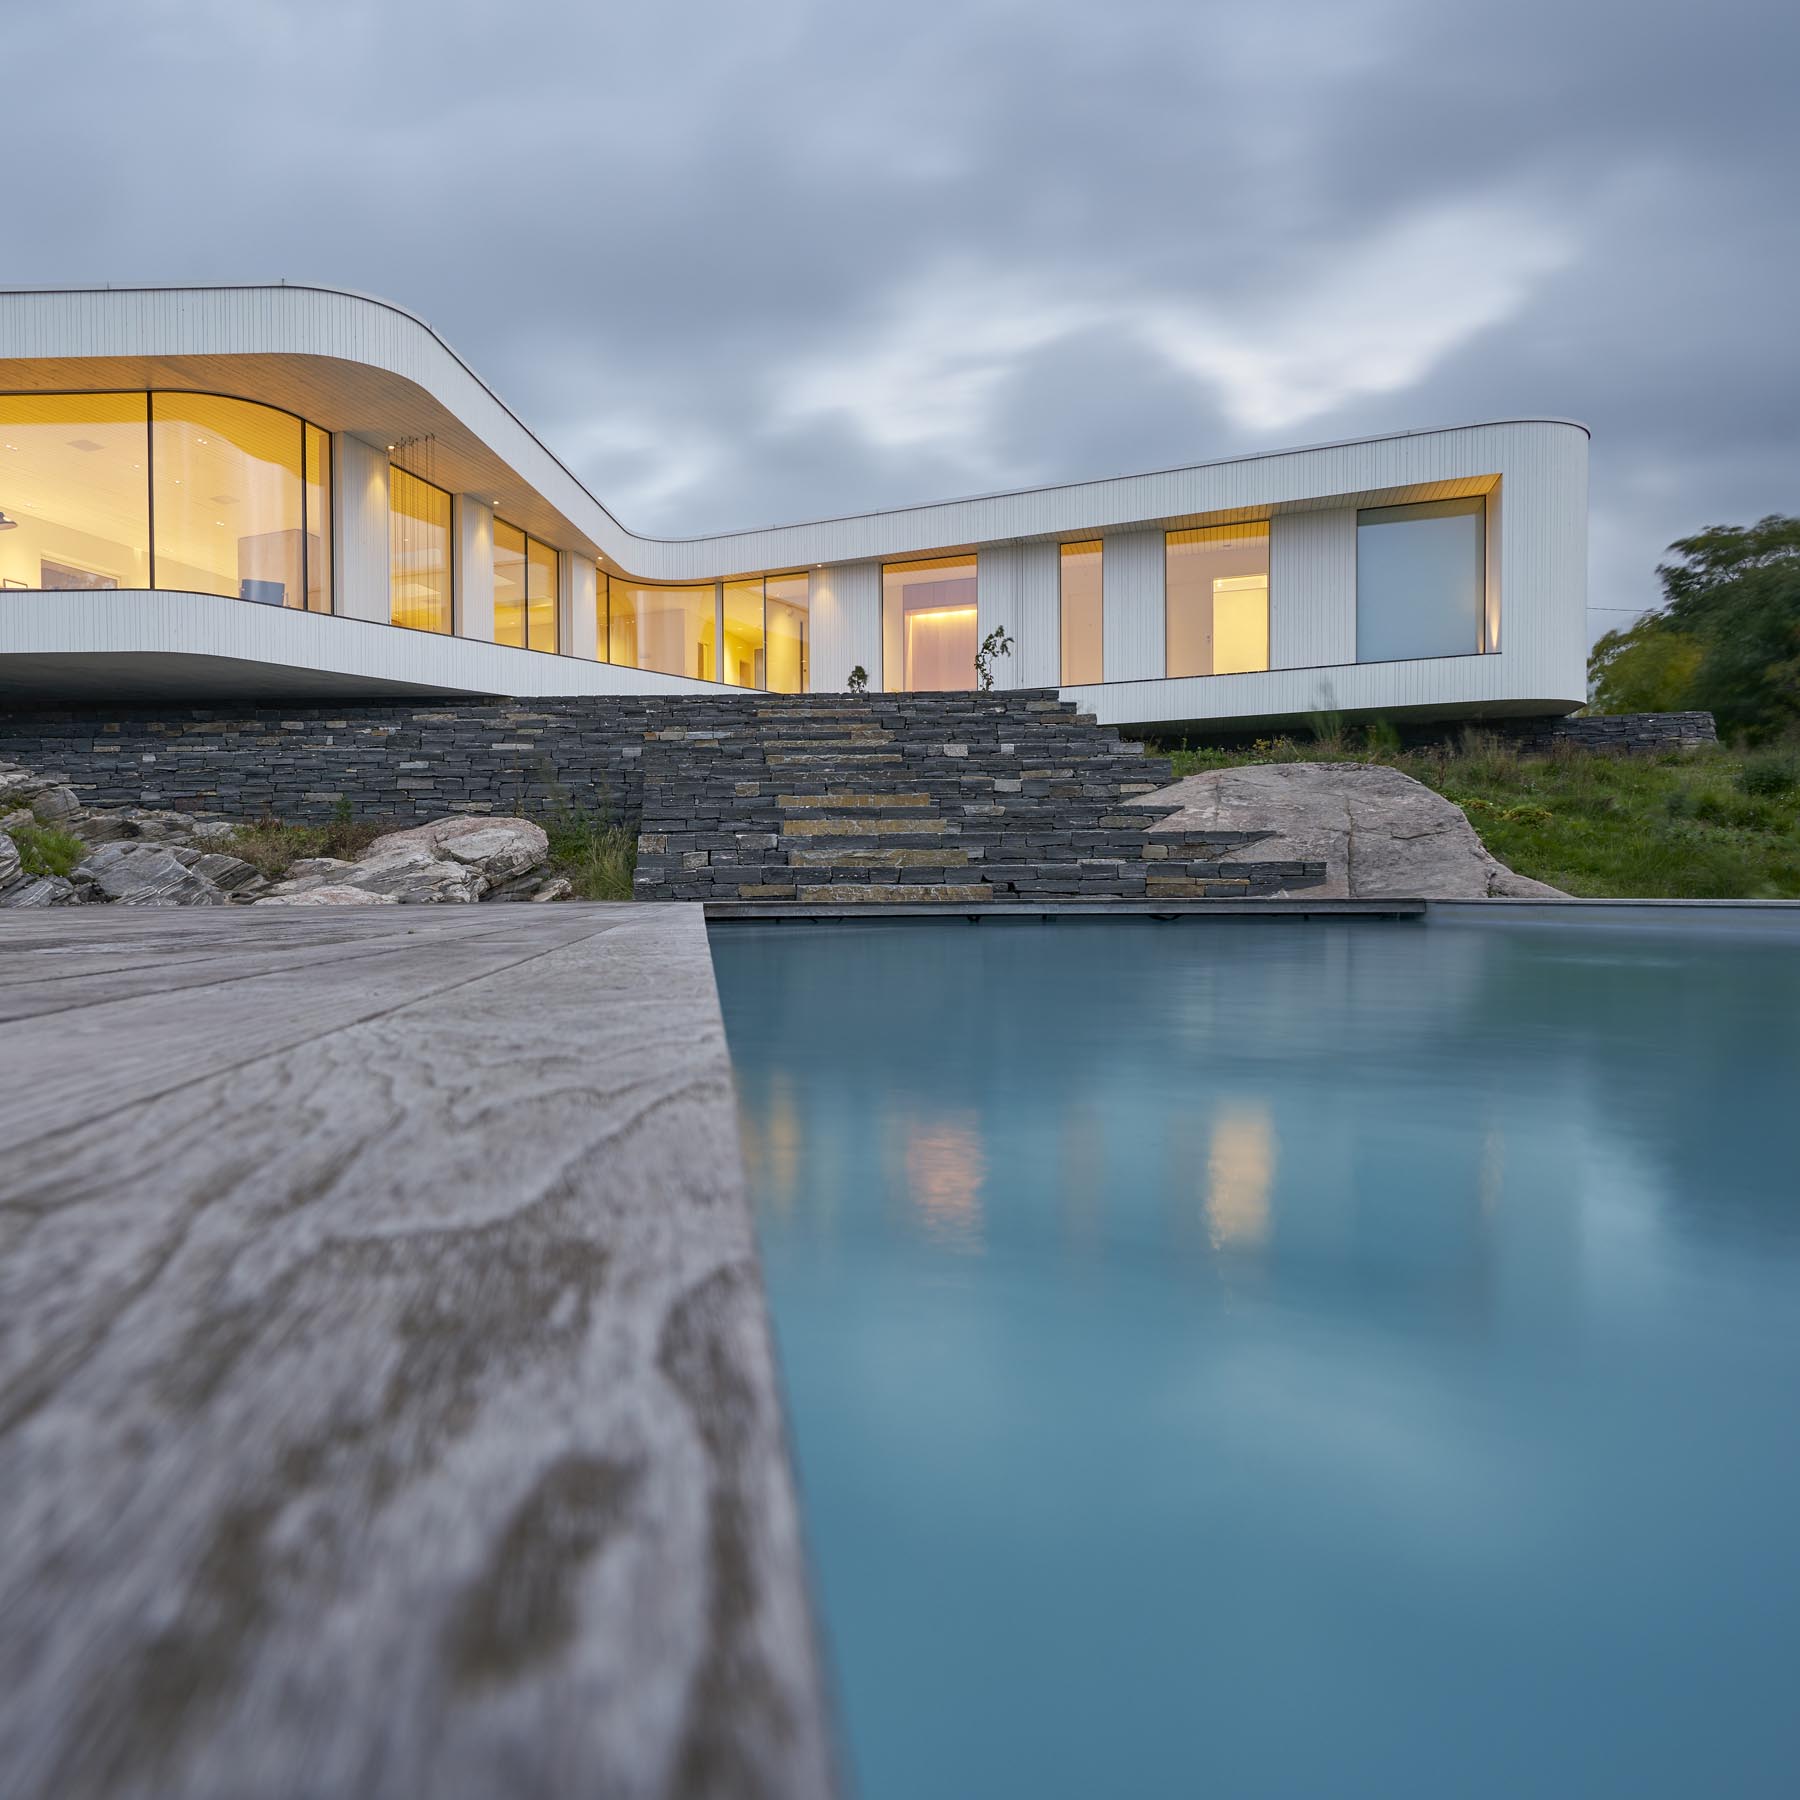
x=743, y=263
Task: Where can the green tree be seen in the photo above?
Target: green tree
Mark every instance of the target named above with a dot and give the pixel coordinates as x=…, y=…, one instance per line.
x=1727, y=639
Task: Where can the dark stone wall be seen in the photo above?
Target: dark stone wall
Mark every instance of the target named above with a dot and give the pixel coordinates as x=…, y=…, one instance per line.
x=417, y=760
x=1615, y=734
x=409, y=760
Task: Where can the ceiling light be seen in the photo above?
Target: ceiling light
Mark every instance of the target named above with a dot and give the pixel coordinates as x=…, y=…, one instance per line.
x=7, y=524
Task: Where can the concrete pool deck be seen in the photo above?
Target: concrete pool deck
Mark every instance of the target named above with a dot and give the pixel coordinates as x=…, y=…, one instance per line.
x=387, y=1404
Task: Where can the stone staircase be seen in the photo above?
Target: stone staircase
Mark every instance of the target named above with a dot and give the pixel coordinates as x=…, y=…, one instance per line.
x=953, y=799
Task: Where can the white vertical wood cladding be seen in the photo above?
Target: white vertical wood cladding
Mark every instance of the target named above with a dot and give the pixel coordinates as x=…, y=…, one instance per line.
x=360, y=553
x=356, y=355
x=1312, y=588
x=846, y=625
x=1038, y=653
x=474, y=568
x=997, y=603
x=1133, y=638
x=581, y=579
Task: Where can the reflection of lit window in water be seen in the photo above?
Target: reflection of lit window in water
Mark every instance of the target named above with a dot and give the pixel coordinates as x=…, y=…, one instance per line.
x=772, y=1145
x=1240, y=1166
x=945, y=1168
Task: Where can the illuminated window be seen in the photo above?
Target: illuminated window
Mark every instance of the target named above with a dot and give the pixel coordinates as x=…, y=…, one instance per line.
x=318, y=520
x=1082, y=660
x=928, y=636
x=540, y=595
x=1216, y=586
x=657, y=627
x=74, y=479
x=418, y=553
x=509, y=585
x=789, y=666
x=240, y=495
x=1421, y=581
x=228, y=493
x=741, y=657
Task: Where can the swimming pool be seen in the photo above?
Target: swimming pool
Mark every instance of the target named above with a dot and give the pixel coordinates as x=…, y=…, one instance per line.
x=1248, y=1357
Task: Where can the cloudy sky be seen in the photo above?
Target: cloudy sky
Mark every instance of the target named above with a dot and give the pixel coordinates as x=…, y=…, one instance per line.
x=740, y=263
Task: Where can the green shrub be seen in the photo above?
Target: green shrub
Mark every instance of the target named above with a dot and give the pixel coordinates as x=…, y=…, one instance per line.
x=271, y=846
x=43, y=850
x=596, y=854
x=1770, y=774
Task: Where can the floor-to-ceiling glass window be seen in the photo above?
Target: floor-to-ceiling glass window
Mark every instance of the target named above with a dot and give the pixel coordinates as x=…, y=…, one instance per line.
x=228, y=493
x=541, y=572
x=525, y=583
x=1217, y=599
x=666, y=628
x=419, y=585
x=788, y=662
x=75, y=486
x=509, y=585
x=928, y=637
x=1082, y=661
x=741, y=658
x=1421, y=580
x=318, y=520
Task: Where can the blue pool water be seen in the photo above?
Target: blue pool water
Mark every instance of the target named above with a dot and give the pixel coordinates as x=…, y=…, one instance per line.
x=1242, y=1358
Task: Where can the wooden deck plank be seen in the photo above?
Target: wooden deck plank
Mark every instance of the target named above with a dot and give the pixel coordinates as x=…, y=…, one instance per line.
x=110, y=1052
x=393, y=1411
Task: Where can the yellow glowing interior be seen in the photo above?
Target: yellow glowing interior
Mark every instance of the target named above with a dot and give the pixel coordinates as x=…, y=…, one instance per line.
x=418, y=553
x=1216, y=599
x=1082, y=617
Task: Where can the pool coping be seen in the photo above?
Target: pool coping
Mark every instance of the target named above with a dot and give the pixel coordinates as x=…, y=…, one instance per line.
x=729, y=912
x=387, y=1397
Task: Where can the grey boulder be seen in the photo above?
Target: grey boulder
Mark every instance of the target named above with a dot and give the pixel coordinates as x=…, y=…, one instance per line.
x=40, y=890
x=134, y=874
x=1380, y=834
x=500, y=848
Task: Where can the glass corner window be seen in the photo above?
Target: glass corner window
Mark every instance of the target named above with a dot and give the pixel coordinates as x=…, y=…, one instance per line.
x=1421, y=580
x=175, y=490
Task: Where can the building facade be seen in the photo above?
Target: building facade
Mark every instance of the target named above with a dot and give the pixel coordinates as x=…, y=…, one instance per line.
x=290, y=492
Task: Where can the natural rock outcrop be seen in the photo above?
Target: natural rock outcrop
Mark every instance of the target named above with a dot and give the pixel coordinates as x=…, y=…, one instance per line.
x=1380, y=834
x=133, y=874
x=450, y=861
x=150, y=856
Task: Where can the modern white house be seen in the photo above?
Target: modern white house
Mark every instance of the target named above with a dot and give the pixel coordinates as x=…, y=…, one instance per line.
x=294, y=492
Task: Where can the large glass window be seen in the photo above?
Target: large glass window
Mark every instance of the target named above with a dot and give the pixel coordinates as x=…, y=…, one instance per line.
x=509, y=585
x=541, y=571
x=1082, y=660
x=1216, y=586
x=228, y=497
x=318, y=520
x=789, y=665
x=928, y=636
x=741, y=658
x=418, y=553
x=239, y=496
x=666, y=628
x=74, y=482
x=1421, y=580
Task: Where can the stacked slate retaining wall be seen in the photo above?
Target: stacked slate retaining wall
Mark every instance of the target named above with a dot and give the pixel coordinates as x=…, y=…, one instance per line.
x=1606, y=734
x=405, y=760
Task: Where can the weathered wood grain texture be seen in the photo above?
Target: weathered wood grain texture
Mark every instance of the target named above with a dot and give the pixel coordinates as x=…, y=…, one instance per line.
x=387, y=1405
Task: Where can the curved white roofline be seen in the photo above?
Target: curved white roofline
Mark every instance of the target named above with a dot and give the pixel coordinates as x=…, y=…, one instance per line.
x=85, y=329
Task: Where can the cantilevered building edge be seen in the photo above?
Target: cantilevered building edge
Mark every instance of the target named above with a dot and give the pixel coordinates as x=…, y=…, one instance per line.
x=270, y=492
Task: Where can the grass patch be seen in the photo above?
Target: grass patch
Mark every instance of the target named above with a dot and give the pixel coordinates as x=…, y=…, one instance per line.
x=271, y=846
x=1713, y=823
x=43, y=850
x=597, y=855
